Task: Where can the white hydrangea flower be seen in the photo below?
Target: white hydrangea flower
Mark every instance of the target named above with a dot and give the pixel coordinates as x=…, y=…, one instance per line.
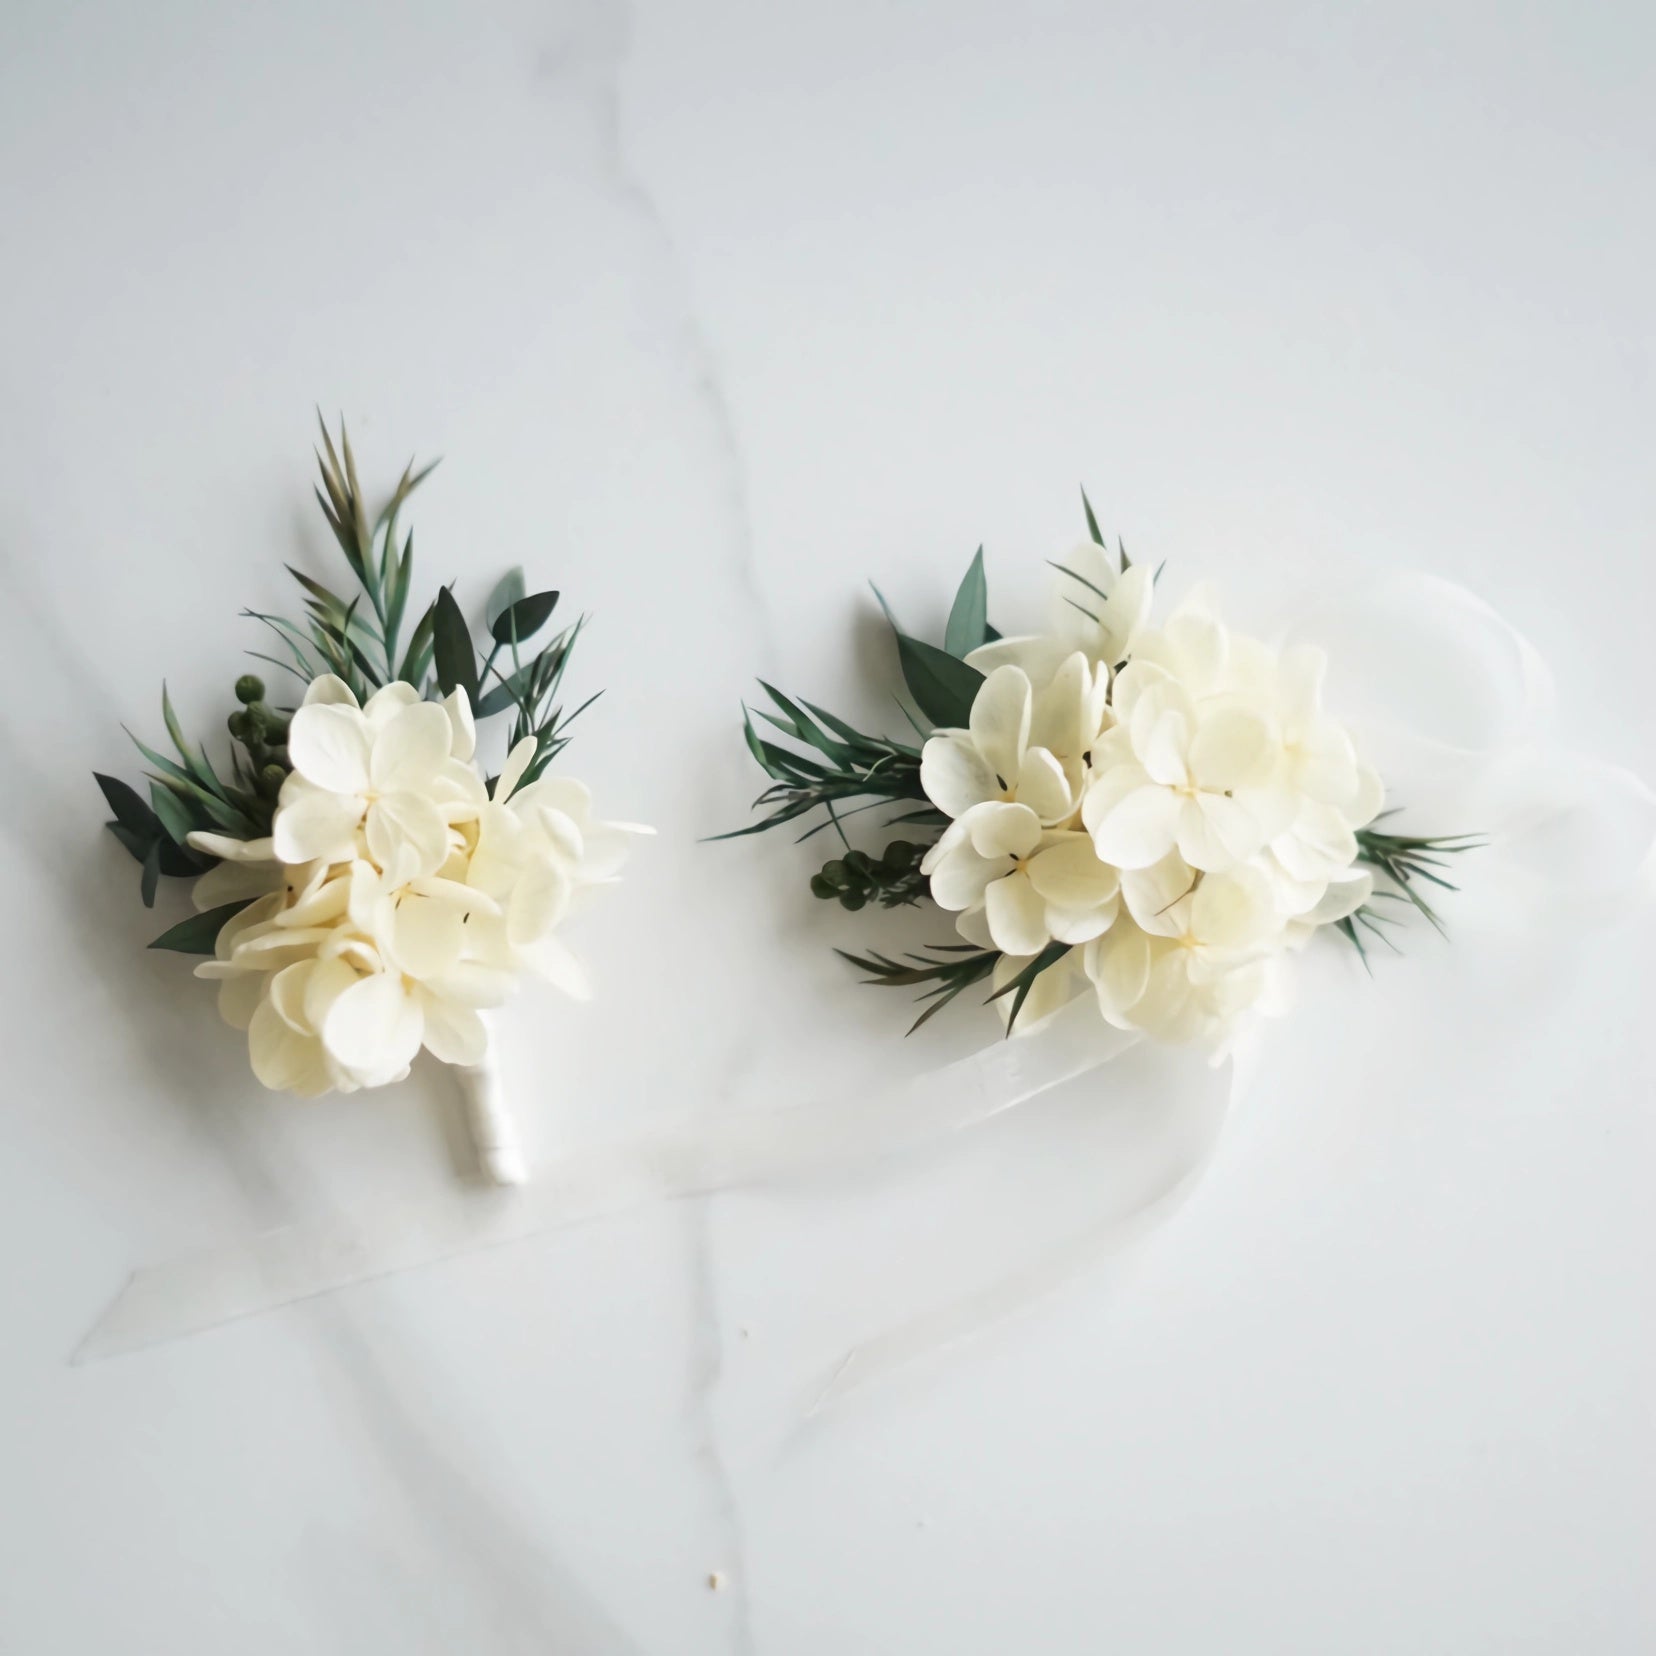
x=1021, y=747
x=1184, y=969
x=388, y=778
x=1174, y=803
x=395, y=899
x=1029, y=886
x=1202, y=775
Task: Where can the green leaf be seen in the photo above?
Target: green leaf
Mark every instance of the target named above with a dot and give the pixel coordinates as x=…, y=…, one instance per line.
x=130, y=810
x=943, y=686
x=415, y=661
x=455, y=658
x=397, y=605
x=173, y=813
x=524, y=619
x=510, y=692
x=508, y=590
x=1092, y=522
x=151, y=876
x=199, y=933
x=969, y=618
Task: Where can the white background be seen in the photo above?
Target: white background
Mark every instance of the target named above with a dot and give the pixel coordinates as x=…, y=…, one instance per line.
x=714, y=311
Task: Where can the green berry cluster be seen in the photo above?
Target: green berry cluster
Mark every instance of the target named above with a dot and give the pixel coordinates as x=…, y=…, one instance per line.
x=263, y=732
x=857, y=879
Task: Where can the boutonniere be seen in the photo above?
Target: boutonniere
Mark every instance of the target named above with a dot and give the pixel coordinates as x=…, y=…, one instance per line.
x=1155, y=814
x=364, y=887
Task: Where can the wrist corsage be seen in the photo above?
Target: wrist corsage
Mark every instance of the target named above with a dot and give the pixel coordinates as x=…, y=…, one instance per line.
x=1154, y=815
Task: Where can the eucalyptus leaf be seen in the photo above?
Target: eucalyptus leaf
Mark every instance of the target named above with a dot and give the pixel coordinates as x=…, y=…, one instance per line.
x=943, y=686
x=130, y=810
x=456, y=661
x=199, y=933
x=969, y=617
x=522, y=620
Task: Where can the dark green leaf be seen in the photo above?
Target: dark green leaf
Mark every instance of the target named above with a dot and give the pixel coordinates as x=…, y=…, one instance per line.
x=455, y=658
x=199, y=933
x=152, y=874
x=943, y=687
x=969, y=617
x=523, y=619
x=129, y=808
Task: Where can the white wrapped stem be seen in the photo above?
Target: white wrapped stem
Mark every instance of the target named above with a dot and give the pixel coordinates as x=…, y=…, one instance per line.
x=489, y=1119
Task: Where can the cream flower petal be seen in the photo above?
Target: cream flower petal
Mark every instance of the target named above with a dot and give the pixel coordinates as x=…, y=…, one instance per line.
x=387, y=702
x=511, y=773
x=1234, y=746
x=1233, y=911
x=1068, y=873
x=231, y=882
x=329, y=746
x=227, y=849
x=1016, y=915
x=410, y=748
x=564, y=838
x=283, y=1059
x=473, y=984
x=1162, y=740
x=1215, y=832
x=960, y=876
x=1000, y=720
x=1119, y=966
x=559, y=793
x=452, y=1034
x=537, y=904
x=1138, y=830
x=1343, y=896
x=973, y=927
x=1045, y=788
x=1081, y=925
x=329, y=690
x=1169, y=1008
x=317, y=904
x=407, y=836
x=1325, y=763
x=1062, y=717
x=1036, y=655
x=1134, y=680
x=955, y=775
x=462, y=726
x=329, y=980
x=373, y=1028
x=287, y=995
x=1320, y=845
x=427, y=937
x=1155, y=895
x=1002, y=830
x=239, y=996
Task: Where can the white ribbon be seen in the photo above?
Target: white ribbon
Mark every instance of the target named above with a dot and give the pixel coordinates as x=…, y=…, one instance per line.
x=1474, y=754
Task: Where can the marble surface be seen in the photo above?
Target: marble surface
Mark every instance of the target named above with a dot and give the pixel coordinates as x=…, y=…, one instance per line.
x=715, y=310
